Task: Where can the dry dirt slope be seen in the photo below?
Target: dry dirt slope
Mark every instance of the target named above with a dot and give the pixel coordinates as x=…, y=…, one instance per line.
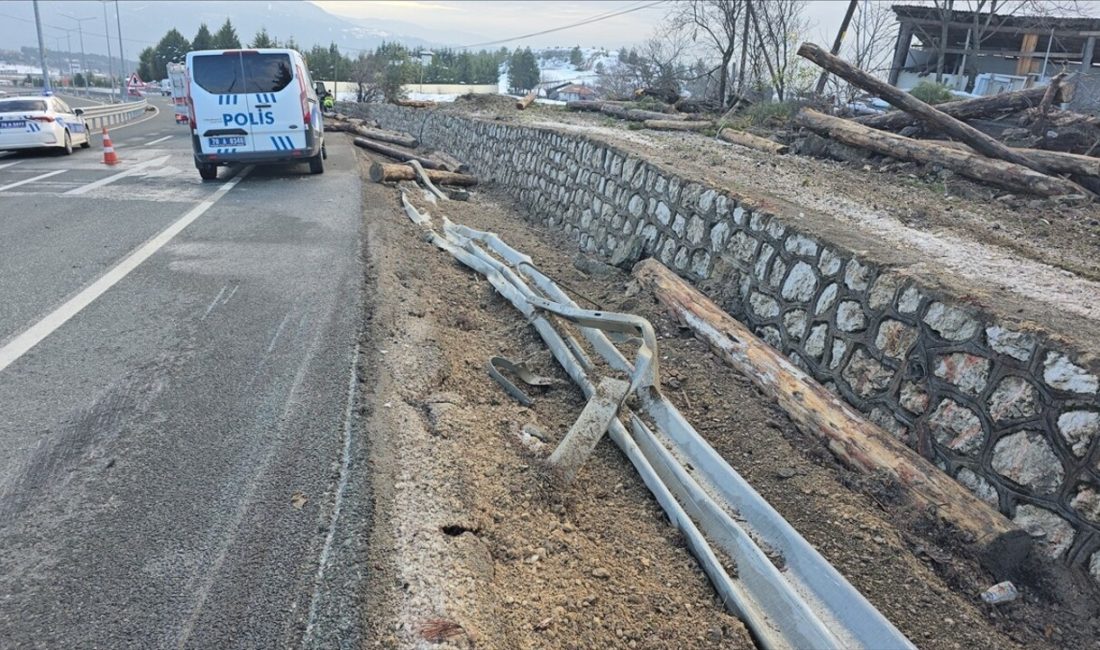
x=471, y=550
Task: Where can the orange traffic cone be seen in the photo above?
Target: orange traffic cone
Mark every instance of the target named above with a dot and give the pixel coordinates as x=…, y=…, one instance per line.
x=109, y=155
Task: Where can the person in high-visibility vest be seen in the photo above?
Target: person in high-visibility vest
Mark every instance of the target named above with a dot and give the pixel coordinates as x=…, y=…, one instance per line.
x=329, y=102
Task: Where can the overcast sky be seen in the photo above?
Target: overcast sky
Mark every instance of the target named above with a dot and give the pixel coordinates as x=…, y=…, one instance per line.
x=500, y=19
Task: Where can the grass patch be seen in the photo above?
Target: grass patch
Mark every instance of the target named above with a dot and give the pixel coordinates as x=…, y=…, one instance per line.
x=931, y=92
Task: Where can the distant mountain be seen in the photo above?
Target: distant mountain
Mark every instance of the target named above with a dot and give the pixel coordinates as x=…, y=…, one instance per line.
x=144, y=22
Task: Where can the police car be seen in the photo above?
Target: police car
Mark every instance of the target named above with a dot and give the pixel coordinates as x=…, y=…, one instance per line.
x=252, y=106
x=37, y=122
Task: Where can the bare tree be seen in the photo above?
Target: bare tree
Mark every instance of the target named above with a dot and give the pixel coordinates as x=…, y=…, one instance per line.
x=779, y=26
x=367, y=73
x=717, y=22
x=869, y=46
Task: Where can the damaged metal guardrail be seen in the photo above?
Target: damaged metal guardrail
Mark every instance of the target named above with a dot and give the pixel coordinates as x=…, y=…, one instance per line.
x=764, y=571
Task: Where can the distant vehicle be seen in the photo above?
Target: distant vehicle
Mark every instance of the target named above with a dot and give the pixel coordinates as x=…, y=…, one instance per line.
x=39, y=122
x=177, y=88
x=166, y=87
x=252, y=106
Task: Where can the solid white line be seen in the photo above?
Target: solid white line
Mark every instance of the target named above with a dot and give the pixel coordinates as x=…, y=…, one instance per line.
x=33, y=179
x=149, y=144
x=19, y=346
x=9, y=164
x=83, y=189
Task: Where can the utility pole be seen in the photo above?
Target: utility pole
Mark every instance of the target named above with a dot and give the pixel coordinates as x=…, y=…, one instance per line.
x=83, y=58
x=46, y=89
x=820, y=88
x=110, y=59
x=123, y=77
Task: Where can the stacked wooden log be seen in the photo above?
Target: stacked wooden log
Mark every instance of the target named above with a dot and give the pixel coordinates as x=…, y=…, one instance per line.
x=973, y=153
x=648, y=118
x=439, y=167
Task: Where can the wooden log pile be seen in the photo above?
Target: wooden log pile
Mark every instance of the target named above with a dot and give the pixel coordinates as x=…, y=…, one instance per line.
x=648, y=118
x=381, y=172
x=974, y=153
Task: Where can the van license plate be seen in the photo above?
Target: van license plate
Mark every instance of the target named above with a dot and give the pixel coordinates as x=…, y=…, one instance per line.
x=229, y=141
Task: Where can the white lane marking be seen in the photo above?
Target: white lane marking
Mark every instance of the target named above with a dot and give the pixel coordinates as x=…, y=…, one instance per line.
x=278, y=331
x=213, y=302
x=83, y=189
x=341, y=488
x=9, y=164
x=149, y=144
x=34, y=335
x=232, y=293
x=33, y=179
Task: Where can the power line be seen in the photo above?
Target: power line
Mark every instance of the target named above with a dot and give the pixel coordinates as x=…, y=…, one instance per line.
x=594, y=19
x=87, y=33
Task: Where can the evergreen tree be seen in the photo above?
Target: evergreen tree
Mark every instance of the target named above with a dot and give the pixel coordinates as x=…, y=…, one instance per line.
x=523, y=70
x=226, y=38
x=145, y=64
x=172, y=48
x=262, y=40
x=576, y=57
x=204, y=40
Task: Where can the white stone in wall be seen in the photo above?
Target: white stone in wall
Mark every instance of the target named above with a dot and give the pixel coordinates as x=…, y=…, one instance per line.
x=1053, y=535
x=839, y=348
x=719, y=234
x=856, y=276
x=828, y=297
x=882, y=293
x=771, y=336
x=636, y=206
x=815, y=342
x=794, y=322
x=700, y=263
x=1061, y=373
x=775, y=229
x=1094, y=566
x=967, y=371
x=913, y=398
x=1026, y=457
x=761, y=269
x=895, y=338
x=696, y=230
x=956, y=427
x=779, y=269
x=866, y=375
x=981, y=488
x=1087, y=503
x=681, y=260
x=763, y=305
x=949, y=322
x=739, y=216
x=1014, y=398
x=757, y=221
x=829, y=264
x=706, y=201
x=743, y=247
x=1078, y=428
x=664, y=215
x=679, y=224
x=668, y=251
x=1017, y=345
x=801, y=245
x=850, y=316
x=801, y=283
x=722, y=206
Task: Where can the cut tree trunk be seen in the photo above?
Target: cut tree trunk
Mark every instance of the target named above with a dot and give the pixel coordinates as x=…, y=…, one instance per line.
x=414, y=103
x=394, y=172
x=968, y=109
x=1063, y=163
x=1016, y=178
x=396, y=154
x=451, y=163
x=752, y=141
x=1040, y=124
x=526, y=101
x=677, y=125
x=856, y=442
x=393, y=137
x=898, y=98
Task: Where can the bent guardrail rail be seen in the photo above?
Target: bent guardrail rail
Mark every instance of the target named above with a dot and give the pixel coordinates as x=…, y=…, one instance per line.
x=110, y=114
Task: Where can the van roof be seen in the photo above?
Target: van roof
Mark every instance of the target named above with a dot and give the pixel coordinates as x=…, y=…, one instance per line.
x=260, y=50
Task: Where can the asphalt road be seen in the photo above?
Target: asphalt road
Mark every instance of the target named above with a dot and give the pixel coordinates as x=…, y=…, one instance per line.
x=179, y=456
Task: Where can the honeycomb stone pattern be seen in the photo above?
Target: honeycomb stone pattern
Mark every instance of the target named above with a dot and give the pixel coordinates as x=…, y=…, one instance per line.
x=1013, y=415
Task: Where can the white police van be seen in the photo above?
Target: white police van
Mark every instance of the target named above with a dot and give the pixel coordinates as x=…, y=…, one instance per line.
x=253, y=106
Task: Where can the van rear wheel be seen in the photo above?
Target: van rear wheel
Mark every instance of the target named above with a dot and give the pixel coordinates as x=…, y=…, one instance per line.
x=316, y=165
x=208, y=172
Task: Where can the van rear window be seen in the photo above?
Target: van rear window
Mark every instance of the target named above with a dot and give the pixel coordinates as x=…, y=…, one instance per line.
x=244, y=72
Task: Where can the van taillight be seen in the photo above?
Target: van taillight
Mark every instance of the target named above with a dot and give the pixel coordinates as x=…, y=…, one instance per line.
x=191, y=112
x=307, y=115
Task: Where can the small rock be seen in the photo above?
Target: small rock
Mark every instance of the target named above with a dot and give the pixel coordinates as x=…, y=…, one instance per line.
x=714, y=634
x=785, y=472
x=601, y=573
x=1002, y=592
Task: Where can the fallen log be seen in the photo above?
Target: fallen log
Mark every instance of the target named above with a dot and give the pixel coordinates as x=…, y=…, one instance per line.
x=414, y=103
x=380, y=172
x=1016, y=178
x=393, y=137
x=898, y=98
x=1039, y=127
x=639, y=115
x=450, y=162
x=395, y=153
x=677, y=125
x=968, y=109
x=525, y=101
x=752, y=141
x=588, y=105
x=1057, y=161
x=860, y=445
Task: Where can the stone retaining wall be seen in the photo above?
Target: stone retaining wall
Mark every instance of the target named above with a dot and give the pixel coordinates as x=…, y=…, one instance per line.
x=1012, y=415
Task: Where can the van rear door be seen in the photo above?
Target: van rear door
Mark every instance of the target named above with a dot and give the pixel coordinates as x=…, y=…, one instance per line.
x=276, y=97
x=223, y=119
